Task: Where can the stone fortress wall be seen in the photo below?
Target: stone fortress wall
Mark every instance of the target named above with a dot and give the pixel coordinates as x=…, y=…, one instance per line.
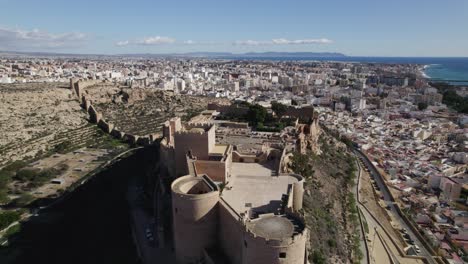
x=195, y=215
x=79, y=87
x=200, y=211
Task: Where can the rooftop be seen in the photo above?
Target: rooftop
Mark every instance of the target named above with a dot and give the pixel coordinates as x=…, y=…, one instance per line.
x=219, y=149
x=273, y=227
x=254, y=186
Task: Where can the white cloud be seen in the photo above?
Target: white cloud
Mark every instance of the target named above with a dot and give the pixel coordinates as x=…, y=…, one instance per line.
x=251, y=42
x=155, y=41
x=283, y=41
x=24, y=39
x=194, y=42
x=122, y=43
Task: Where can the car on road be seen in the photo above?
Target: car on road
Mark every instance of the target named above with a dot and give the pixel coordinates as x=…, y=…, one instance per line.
x=416, y=247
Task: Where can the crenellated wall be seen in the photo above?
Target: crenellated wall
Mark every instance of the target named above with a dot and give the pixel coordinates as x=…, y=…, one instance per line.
x=258, y=249
x=203, y=219
x=198, y=142
x=79, y=87
x=167, y=155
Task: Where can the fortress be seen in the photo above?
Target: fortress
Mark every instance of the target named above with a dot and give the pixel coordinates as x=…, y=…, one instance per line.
x=231, y=205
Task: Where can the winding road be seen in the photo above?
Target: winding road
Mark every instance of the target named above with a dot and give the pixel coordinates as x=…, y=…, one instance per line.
x=392, y=205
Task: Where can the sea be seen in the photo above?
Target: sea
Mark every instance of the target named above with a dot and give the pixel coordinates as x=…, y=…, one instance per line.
x=451, y=70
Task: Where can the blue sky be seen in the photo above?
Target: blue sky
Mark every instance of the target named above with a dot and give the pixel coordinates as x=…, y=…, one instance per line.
x=353, y=27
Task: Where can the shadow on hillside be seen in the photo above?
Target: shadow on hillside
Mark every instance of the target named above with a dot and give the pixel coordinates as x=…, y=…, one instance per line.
x=91, y=225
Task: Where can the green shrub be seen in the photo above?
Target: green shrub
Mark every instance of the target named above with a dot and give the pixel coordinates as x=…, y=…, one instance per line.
x=317, y=257
x=23, y=200
x=37, y=177
x=15, y=166
x=301, y=164
x=8, y=217
x=4, y=197
x=331, y=243
x=12, y=230
x=63, y=147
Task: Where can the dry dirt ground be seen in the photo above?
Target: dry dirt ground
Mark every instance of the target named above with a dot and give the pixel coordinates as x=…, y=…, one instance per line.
x=77, y=163
x=32, y=116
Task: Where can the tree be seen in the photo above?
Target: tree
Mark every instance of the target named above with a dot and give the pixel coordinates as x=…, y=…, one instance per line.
x=63, y=146
x=422, y=106
x=301, y=165
x=318, y=257
x=8, y=217
x=279, y=108
x=256, y=114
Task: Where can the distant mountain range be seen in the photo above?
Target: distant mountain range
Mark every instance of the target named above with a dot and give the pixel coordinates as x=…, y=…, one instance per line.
x=227, y=55
x=244, y=55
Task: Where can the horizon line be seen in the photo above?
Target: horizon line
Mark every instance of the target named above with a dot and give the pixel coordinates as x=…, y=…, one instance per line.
x=2, y=52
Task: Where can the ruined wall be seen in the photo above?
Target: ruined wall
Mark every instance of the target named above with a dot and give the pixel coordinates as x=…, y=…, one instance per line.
x=105, y=126
x=308, y=136
x=94, y=115
x=228, y=109
x=167, y=157
x=79, y=87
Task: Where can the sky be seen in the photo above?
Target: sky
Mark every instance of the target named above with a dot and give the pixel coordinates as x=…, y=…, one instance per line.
x=410, y=28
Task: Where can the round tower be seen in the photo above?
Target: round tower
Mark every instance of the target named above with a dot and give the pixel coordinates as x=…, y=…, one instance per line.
x=275, y=239
x=195, y=216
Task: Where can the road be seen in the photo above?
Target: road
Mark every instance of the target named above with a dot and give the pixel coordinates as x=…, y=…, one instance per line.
x=150, y=252
x=362, y=236
x=387, y=198
x=381, y=248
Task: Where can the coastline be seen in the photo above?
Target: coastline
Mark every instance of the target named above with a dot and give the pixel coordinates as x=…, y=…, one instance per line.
x=423, y=71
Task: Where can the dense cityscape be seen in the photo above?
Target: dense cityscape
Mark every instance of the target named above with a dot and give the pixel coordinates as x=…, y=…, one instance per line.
x=403, y=128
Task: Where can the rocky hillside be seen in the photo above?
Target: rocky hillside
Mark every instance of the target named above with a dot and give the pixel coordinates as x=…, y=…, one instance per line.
x=142, y=111
x=328, y=202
